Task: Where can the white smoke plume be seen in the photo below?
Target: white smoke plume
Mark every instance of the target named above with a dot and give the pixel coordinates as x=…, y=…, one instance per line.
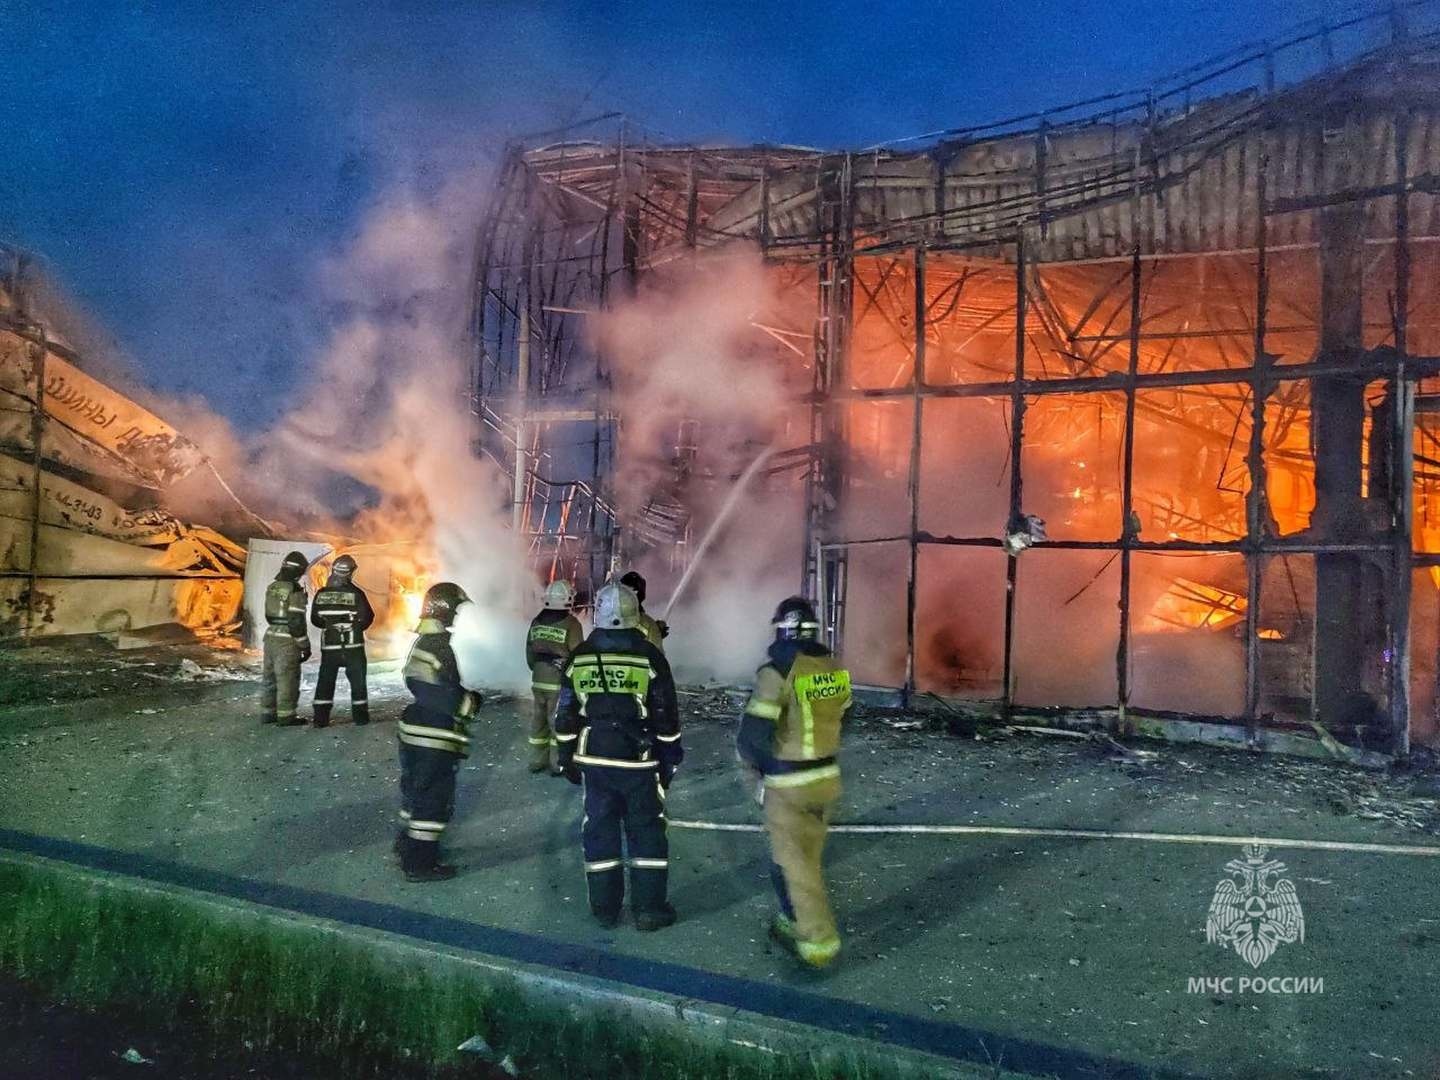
x=388, y=410
x=690, y=347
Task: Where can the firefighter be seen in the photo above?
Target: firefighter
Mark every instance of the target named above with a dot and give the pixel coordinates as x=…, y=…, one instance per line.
x=655, y=630
x=554, y=634
x=618, y=732
x=343, y=613
x=434, y=736
x=286, y=643
x=789, y=736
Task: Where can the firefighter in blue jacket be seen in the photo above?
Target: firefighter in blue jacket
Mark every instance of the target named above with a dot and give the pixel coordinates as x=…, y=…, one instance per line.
x=434, y=736
x=342, y=612
x=618, y=732
x=286, y=644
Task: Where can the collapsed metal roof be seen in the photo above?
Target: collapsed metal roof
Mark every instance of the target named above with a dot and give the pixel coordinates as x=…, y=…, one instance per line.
x=1193, y=161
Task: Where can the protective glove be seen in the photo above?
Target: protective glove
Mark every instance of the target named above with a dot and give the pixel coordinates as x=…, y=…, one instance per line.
x=565, y=764
x=670, y=755
x=305, y=650
x=664, y=628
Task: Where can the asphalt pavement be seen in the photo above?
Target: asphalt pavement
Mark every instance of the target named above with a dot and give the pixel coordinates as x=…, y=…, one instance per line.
x=1054, y=954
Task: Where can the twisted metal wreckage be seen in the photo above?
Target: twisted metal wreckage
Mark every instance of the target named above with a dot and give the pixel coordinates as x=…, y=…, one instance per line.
x=1224, y=405
x=85, y=544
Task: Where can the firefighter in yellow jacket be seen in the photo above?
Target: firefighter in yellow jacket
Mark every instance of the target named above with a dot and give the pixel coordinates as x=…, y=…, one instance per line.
x=286, y=644
x=553, y=636
x=655, y=630
x=789, y=737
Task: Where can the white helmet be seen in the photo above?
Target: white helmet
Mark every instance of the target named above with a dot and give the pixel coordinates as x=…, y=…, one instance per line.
x=617, y=608
x=559, y=596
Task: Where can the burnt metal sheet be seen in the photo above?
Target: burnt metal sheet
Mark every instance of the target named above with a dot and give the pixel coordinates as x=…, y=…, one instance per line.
x=1191, y=172
x=67, y=504
x=99, y=605
x=96, y=413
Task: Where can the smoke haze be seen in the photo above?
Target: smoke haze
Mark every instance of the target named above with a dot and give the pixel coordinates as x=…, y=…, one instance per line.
x=689, y=348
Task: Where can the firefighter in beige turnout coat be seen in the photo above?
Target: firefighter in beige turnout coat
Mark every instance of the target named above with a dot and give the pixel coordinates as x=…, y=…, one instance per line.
x=789, y=737
x=553, y=636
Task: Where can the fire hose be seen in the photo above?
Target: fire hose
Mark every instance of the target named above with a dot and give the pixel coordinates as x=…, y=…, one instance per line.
x=1082, y=834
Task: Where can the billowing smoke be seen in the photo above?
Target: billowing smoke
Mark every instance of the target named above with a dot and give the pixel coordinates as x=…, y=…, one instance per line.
x=694, y=366
x=710, y=367
x=693, y=348
x=388, y=415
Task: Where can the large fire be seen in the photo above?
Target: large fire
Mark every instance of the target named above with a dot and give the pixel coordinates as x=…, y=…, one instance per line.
x=1190, y=473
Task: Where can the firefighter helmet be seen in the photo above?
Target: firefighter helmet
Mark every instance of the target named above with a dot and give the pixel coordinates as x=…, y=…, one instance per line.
x=617, y=608
x=795, y=620
x=635, y=583
x=342, y=569
x=293, y=566
x=441, y=602
x=559, y=596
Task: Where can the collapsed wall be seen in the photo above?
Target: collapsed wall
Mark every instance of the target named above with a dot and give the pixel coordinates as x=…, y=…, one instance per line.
x=86, y=544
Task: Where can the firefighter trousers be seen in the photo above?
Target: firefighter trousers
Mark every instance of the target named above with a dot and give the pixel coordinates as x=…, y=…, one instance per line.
x=541, y=737
x=797, y=818
x=427, y=802
x=332, y=659
x=279, y=677
x=629, y=803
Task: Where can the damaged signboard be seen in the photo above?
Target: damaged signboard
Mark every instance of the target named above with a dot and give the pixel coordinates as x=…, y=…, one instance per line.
x=106, y=424
x=85, y=546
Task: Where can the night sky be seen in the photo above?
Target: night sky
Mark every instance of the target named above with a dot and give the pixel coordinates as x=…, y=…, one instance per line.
x=184, y=167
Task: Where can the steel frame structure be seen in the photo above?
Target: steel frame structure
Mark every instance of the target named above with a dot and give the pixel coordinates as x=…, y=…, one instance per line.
x=1252, y=156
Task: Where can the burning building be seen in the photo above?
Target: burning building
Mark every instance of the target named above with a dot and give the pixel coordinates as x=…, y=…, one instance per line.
x=1128, y=406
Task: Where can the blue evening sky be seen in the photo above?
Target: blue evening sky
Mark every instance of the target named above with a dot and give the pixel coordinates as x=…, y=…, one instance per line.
x=184, y=166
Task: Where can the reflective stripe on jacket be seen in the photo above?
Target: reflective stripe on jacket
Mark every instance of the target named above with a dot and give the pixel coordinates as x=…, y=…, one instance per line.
x=803, y=710
x=440, y=717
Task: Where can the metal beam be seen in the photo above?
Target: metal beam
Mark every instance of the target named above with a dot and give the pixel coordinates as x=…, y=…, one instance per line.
x=38, y=352
x=1374, y=364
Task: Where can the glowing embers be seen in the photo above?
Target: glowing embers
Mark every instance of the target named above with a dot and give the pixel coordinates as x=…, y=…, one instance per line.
x=1071, y=459
x=410, y=601
x=1193, y=605
x=1426, y=532
x=1190, y=477
x=1187, y=648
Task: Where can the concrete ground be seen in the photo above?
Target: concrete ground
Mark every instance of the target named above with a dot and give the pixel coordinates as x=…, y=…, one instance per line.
x=1051, y=954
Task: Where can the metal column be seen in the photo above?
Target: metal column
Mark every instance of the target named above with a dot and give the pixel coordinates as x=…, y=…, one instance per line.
x=917, y=379
x=1017, y=491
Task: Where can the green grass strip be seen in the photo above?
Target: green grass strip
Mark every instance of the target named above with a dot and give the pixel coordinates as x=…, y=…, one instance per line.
x=297, y=988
